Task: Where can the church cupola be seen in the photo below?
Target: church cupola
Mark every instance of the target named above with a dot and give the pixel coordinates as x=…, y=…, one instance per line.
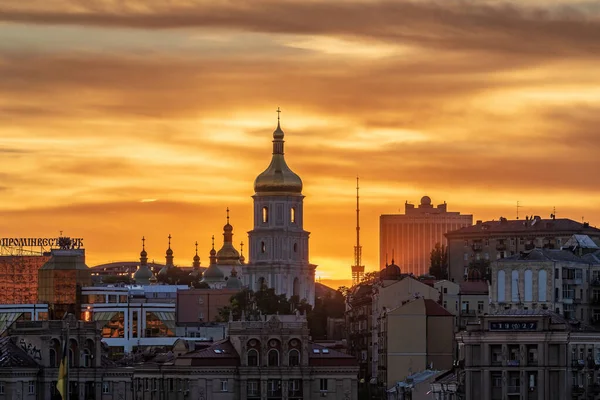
x=196, y=264
x=168, y=258
x=228, y=255
x=143, y=274
x=278, y=178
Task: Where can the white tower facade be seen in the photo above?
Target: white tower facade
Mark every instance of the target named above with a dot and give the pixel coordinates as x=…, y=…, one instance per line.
x=279, y=250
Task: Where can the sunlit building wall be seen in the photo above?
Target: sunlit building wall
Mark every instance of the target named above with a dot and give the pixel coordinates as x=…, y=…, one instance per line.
x=60, y=281
x=19, y=278
x=409, y=238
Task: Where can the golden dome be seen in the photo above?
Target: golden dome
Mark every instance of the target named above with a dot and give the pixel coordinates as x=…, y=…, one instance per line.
x=278, y=177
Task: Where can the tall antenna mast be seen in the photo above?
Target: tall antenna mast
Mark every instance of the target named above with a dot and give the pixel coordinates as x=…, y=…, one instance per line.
x=518, y=206
x=358, y=270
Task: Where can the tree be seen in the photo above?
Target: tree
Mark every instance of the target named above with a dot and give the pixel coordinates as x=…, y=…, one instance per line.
x=483, y=266
x=370, y=277
x=439, y=261
x=178, y=276
x=111, y=279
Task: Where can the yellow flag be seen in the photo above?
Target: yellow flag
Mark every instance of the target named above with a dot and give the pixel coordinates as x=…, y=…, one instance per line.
x=61, y=384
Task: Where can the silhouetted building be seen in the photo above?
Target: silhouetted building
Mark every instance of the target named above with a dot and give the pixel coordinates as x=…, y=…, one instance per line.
x=494, y=240
x=410, y=237
x=60, y=281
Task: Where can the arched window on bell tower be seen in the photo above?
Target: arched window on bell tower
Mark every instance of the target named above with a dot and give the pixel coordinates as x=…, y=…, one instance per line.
x=265, y=214
x=293, y=215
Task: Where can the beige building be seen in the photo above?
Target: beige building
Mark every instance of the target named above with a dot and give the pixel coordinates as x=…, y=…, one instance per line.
x=556, y=280
x=467, y=301
x=410, y=237
x=272, y=358
x=414, y=337
x=529, y=355
x=494, y=240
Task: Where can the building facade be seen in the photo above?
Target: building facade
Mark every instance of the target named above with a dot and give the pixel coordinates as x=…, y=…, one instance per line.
x=546, y=279
x=19, y=278
x=428, y=343
x=410, y=237
x=278, y=243
x=493, y=240
x=272, y=358
x=529, y=354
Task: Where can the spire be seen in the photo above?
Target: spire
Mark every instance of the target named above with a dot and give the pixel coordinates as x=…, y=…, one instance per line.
x=143, y=254
x=169, y=254
x=228, y=215
x=278, y=136
x=196, y=263
x=213, y=252
x=242, y=258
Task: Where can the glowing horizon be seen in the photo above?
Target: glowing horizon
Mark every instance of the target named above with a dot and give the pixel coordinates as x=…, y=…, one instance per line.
x=122, y=121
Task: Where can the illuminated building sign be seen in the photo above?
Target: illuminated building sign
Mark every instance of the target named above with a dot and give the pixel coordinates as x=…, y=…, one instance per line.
x=513, y=326
x=61, y=242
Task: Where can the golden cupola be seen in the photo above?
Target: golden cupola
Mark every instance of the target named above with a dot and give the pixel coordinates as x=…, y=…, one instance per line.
x=228, y=255
x=278, y=178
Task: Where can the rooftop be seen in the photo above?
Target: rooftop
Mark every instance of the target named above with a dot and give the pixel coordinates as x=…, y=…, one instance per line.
x=535, y=225
x=545, y=255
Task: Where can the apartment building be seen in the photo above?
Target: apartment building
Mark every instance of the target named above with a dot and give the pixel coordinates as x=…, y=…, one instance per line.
x=529, y=355
x=493, y=240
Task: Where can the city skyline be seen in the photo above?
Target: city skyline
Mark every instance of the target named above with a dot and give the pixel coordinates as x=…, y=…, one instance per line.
x=146, y=120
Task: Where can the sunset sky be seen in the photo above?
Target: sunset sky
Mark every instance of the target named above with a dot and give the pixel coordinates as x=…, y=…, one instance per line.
x=127, y=118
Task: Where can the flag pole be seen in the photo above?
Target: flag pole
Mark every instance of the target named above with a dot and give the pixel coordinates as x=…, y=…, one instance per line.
x=67, y=363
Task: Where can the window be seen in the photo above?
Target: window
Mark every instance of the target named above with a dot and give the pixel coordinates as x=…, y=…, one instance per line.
x=295, y=388
x=464, y=307
x=445, y=304
x=105, y=387
x=252, y=358
x=31, y=387
x=201, y=316
x=53, y=363
x=480, y=306
x=86, y=359
x=466, y=243
x=445, y=290
x=147, y=383
x=466, y=256
x=273, y=358
x=200, y=300
x=323, y=385
x=274, y=388
x=294, y=358
x=265, y=214
x=1, y=387
x=223, y=385
x=253, y=388
x=295, y=247
x=293, y=215
x=263, y=248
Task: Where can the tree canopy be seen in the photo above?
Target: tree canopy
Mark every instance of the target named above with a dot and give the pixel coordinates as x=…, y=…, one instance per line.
x=439, y=261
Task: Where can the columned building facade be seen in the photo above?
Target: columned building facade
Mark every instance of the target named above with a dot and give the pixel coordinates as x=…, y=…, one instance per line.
x=279, y=256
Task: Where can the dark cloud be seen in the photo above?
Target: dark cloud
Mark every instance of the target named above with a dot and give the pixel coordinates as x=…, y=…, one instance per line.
x=465, y=25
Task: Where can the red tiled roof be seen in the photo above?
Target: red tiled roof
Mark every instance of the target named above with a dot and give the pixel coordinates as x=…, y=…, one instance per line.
x=433, y=309
x=474, y=287
x=221, y=353
x=330, y=357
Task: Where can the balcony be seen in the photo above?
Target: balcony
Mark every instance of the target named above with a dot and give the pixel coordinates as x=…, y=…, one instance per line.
x=577, y=390
x=578, y=364
x=513, y=389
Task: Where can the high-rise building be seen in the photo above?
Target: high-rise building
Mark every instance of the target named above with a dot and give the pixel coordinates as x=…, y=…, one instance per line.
x=278, y=243
x=19, y=278
x=409, y=238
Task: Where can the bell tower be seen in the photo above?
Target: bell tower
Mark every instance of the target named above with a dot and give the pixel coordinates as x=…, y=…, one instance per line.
x=278, y=244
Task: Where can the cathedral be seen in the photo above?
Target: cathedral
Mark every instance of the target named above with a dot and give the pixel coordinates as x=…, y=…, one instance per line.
x=278, y=243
